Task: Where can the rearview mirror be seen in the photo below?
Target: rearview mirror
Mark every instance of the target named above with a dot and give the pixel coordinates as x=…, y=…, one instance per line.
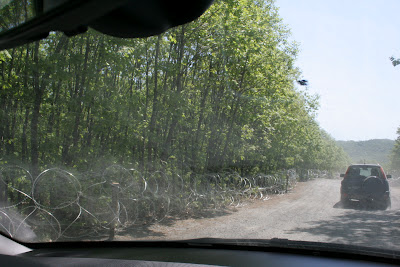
x=341, y=175
x=389, y=176
x=25, y=21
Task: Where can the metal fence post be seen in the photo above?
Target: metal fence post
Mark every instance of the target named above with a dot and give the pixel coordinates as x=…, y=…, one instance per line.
x=287, y=180
x=114, y=210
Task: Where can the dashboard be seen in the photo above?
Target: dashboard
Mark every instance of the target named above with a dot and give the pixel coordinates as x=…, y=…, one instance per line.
x=173, y=254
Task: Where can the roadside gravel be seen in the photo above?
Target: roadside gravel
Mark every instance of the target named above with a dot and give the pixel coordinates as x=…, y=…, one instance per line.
x=310, y=212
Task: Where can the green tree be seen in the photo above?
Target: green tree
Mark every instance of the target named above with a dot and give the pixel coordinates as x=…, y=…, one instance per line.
x=395, y=157
x=395, y=61
x=213, y=94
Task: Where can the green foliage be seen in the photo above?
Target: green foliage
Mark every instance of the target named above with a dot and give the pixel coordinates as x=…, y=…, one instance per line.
x=370, y=151
x=395, y=61
x=395, y=156
x=215, y=94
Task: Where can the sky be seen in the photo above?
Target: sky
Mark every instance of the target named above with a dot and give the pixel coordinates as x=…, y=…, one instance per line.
x=345, y=46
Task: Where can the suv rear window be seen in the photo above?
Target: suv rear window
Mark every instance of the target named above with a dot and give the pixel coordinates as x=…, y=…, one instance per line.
x=364, y=171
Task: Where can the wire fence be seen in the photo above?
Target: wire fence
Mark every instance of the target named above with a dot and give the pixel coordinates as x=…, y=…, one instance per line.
x=395, y=175
x=60, y=205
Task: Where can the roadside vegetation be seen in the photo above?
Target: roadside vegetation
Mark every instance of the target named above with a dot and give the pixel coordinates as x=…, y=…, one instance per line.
x=395, y=156
x=214, y=94
x=212, y=103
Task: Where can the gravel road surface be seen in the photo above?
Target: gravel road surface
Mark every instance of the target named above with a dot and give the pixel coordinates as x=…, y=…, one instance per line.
x=310, y=212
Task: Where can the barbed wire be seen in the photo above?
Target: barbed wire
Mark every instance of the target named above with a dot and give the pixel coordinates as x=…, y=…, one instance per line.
x=60, y=205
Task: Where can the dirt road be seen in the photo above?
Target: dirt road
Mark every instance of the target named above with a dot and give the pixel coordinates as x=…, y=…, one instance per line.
x=310, y=212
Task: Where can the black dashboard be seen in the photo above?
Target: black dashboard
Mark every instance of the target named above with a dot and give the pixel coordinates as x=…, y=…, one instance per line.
x=175, y=254
x=172, y=257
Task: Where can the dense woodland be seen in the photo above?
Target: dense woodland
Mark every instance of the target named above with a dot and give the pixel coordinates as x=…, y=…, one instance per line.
x=197, y=118
x=218, y=93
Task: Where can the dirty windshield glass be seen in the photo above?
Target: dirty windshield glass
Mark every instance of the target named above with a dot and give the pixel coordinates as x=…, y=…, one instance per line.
x=241, y=124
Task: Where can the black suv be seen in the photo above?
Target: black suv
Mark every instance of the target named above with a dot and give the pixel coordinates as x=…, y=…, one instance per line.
x=366, y=183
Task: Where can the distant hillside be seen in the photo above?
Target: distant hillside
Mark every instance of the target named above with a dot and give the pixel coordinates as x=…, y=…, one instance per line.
x=372, y=151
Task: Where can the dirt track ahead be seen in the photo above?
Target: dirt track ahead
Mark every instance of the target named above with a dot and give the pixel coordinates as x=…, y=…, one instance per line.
x=310, y=212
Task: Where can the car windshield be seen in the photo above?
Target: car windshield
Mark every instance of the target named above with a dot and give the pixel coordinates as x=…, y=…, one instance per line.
x=240, y=124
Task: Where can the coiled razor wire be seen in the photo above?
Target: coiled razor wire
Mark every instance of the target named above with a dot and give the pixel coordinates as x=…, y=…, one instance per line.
x=60, y=205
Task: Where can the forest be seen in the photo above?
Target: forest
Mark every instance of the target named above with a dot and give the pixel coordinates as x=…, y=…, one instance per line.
x=213, y=96
x=395, y=155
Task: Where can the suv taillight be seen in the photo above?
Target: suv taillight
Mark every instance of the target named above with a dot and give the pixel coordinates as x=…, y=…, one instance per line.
x=345, y=174
x=383, y=173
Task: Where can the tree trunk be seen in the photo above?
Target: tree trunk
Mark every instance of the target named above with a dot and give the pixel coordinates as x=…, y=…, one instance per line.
x=151, y=138
x=37, y=100
x=171, y=133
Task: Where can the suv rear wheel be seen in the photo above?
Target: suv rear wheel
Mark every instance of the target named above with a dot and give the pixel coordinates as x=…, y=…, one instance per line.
x=384, y=204
x=374, y=187
x=344, y=201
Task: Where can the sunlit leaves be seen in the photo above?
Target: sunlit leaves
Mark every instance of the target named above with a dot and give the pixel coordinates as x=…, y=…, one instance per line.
x=214, y=94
